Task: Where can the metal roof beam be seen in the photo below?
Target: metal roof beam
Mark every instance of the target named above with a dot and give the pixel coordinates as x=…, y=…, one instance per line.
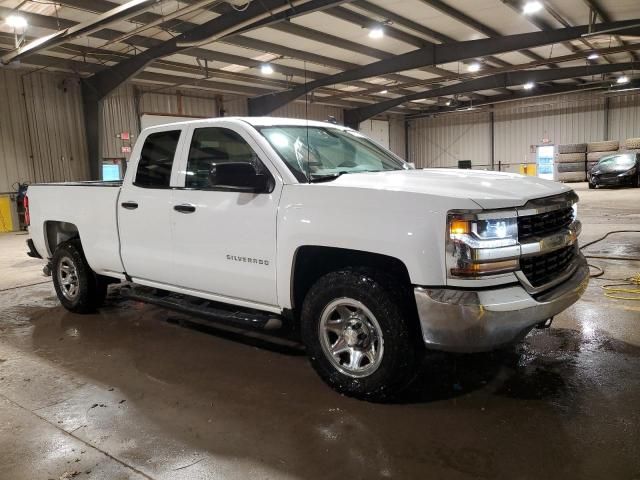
x=433, y=55
x=509, y=79
x=147, y=42
x=366, y=22
x=120, y=12
x=365, y=5
x=225, y=24
x=512, y=68
x=604, y=16
x=543, y=91
x=181, y=26
x=405, y=22
x=472, y=23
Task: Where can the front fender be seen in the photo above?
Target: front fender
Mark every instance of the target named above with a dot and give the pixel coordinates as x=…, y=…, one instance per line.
x=407, y=226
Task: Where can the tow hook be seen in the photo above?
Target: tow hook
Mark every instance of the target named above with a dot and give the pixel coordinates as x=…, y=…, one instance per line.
x=545, y=324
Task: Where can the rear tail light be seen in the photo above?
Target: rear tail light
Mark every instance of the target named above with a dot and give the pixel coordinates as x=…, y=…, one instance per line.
x=27, y=215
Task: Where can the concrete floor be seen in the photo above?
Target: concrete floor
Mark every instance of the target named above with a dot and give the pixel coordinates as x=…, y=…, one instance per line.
x=135, y=392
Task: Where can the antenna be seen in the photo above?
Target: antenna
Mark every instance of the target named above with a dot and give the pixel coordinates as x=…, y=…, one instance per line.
x=306, y=117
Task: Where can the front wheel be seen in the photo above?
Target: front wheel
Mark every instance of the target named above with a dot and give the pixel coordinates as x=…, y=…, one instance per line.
x=592, y=185
x=357, y=330
x=78, y=288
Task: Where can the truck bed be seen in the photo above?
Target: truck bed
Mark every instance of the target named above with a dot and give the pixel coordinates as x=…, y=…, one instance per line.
x=81, y=206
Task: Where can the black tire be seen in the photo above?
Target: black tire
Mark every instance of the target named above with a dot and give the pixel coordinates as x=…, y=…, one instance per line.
x=402, y=349
x=632, y=143
x=572, y=148
x=90, y=289
x=604, y=146
x=591, y=186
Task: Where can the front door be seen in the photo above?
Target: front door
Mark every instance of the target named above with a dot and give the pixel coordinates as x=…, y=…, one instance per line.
x=225, y=240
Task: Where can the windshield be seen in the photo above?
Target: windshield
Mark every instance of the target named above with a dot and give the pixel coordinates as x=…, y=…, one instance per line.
x=617, y=162
x=313, y=153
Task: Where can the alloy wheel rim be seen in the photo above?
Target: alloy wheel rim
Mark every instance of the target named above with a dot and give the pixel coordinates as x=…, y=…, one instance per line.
x=68, y=278
x=351, y=337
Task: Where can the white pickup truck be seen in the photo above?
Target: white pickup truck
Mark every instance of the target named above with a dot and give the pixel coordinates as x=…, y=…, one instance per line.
x=269, y=221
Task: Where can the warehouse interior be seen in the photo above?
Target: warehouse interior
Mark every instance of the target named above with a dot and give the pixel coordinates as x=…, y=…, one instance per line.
x=545, y=89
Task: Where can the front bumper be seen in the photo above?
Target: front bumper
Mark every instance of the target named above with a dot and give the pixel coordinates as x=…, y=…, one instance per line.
x=612, y=180
x=475, y=321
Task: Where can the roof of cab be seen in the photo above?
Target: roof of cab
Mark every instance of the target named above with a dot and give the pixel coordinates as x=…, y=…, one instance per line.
x=254, y=121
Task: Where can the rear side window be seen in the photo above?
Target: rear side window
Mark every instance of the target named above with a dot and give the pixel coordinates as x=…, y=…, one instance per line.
x=156, y=159
x=214, y=145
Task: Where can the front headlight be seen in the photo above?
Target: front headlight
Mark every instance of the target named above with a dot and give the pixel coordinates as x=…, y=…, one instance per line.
x=481, y=246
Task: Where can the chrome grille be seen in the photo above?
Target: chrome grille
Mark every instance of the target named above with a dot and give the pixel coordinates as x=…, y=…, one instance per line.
x=544, y=223
x=542, y=269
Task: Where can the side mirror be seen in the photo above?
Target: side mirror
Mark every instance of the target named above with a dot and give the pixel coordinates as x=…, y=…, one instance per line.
x=241, y=176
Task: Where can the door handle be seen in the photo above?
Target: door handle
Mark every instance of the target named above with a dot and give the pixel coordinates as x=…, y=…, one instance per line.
x=129, y=205
x=185, y=208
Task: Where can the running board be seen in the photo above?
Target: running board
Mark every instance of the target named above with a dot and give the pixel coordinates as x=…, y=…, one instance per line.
x=203, y=308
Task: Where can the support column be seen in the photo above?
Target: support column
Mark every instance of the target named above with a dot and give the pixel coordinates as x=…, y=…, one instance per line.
x=492, y=140
x=606, y=118
x=92, y=108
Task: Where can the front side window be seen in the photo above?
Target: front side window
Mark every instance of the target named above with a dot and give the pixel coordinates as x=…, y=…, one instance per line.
x=211, y=146
x=319, y=152
x=156, y=159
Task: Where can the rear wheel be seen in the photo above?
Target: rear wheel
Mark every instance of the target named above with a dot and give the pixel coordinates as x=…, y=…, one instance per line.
x=78, y=287
x=357, y=330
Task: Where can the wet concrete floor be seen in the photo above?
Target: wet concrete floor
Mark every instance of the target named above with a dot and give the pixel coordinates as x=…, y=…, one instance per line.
x=137, y=392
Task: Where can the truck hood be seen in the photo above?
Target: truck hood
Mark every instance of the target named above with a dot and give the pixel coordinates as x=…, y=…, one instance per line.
x=488, y=189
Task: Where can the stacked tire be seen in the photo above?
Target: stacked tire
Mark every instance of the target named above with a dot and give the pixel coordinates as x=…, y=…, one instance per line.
x=597, y=150
x=569, y=165
x=632, y=144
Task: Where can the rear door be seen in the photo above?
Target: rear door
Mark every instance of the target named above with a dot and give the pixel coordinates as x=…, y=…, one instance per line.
x=225, y=239
x=145, y=207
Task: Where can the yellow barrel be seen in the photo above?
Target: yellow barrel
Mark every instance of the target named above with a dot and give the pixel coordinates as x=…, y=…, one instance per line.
x=6, y=220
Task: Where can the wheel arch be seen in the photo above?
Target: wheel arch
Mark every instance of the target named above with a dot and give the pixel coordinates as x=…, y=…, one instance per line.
x=310, y=262
x=57, y=232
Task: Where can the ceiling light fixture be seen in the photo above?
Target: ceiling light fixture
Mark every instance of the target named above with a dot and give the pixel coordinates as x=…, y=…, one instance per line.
x=528, y=85
x=531, y=7
x=593, y=56
x=376, y=32
x=449, y=102
x=266, y=69
x=384, y=91
x=473, y=67
x=622, y=80
x=16, y=22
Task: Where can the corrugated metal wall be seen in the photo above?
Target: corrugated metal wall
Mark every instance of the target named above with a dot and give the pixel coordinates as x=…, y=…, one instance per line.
x=16, y=164
x=575, y=118
x=41, y=132
x=624, y=116
x=397, y=140
x=559, y=119
x=312, y=111
x=119, y=115
x=235, y=106
x=444, y=140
